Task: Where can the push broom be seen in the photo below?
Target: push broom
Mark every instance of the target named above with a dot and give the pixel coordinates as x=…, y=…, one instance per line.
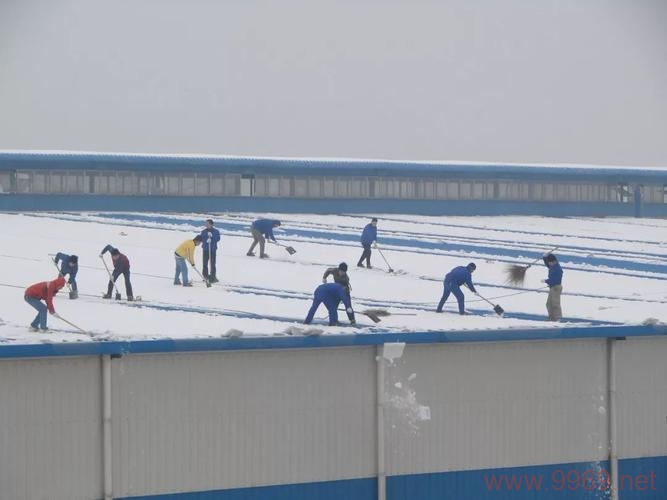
x=516, y=274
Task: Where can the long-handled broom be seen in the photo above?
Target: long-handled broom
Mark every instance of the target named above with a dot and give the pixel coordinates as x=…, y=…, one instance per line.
x=69, y=323
x=516, y=274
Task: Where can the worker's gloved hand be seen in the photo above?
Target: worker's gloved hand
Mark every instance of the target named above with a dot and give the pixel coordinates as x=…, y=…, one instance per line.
x=545, y=281
x=324, y=280
x=375, y=244
x=349, y=310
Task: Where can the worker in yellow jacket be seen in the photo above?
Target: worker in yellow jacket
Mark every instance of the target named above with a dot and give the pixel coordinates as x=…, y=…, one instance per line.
x=185, y=250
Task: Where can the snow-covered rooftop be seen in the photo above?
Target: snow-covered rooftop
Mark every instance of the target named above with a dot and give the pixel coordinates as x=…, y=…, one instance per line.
x=615, y=274
x=311, y=160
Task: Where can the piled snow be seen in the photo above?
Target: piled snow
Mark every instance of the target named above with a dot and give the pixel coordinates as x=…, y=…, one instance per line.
x=615, y=273
x=393, y=350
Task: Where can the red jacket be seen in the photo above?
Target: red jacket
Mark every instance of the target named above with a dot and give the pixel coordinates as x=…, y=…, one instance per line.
x=45, y=290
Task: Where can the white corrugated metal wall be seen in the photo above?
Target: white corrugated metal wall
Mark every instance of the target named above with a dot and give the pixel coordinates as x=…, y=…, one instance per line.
x=234, y=419
x=207, y=421
x=497, y=405
x=642, y=397
x=50, y=429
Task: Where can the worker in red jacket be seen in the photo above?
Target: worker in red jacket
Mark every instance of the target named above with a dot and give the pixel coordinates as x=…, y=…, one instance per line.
x=34, y=295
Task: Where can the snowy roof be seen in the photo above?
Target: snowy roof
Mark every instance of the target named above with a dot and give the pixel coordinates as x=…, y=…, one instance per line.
x=615, y=276
x=106, y=160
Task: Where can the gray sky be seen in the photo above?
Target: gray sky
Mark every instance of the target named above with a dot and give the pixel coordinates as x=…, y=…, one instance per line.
x=565, y=81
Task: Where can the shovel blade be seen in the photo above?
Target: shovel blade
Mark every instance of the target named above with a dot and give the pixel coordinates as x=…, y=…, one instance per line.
x=290, y=250
x=118, y=296
x=374, y=318
x=498, y=310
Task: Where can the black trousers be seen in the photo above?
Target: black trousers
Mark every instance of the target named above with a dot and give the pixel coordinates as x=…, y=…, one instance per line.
x=366, y=255
x=128, y=285
x=206, y=255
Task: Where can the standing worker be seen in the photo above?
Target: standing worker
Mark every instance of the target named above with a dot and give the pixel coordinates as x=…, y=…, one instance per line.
x=34, y=295
x=261, y=230
x=209, y=237
x=554, y=281
x=331, y=294
x=185, y=250
x=69, y=264
x=368, y=237
x=452, y=284
x=121, y=265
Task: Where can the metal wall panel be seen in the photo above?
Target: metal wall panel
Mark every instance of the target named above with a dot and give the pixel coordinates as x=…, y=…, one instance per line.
x=496, y=405
x=641, y=396
x=50, y=430
x=206, y=421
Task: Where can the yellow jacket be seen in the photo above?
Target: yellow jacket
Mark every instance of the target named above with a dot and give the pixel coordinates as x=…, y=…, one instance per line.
x=187, y=251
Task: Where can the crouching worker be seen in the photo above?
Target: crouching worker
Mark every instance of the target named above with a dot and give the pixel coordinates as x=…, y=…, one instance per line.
x=452, y=284
x=185, y=250
x=339, y=276
x=34, y=295
x=69, y=264
x=331, y=294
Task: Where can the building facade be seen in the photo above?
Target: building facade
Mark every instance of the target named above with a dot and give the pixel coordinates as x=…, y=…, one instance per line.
x=572, y=413
x=80, y=181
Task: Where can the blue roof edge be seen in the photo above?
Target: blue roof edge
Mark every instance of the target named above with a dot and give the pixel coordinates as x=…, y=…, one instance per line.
x=120, y=348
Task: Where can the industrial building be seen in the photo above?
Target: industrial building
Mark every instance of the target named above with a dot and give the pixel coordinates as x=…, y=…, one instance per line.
x=92, y=181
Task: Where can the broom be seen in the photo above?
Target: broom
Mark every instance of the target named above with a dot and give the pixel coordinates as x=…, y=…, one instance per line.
x=517, y=274
x=375, y=314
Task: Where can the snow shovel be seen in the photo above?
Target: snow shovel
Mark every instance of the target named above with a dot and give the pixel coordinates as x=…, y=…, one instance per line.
x=517, y=274
x=290, y=250
x=496, y=308
x=208, y=283
x=389, y=270
x=110, y=277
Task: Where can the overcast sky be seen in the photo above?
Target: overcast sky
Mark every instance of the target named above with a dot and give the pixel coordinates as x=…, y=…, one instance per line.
x=564, y=81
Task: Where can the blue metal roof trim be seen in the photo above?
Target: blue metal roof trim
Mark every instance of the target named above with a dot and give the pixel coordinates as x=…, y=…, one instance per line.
x=120, y=348
x=99, y=161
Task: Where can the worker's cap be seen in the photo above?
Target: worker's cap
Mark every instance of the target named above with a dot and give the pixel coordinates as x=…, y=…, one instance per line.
x=114, y=251
x=342, y=266
x=73, y=259
x=471, y=266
